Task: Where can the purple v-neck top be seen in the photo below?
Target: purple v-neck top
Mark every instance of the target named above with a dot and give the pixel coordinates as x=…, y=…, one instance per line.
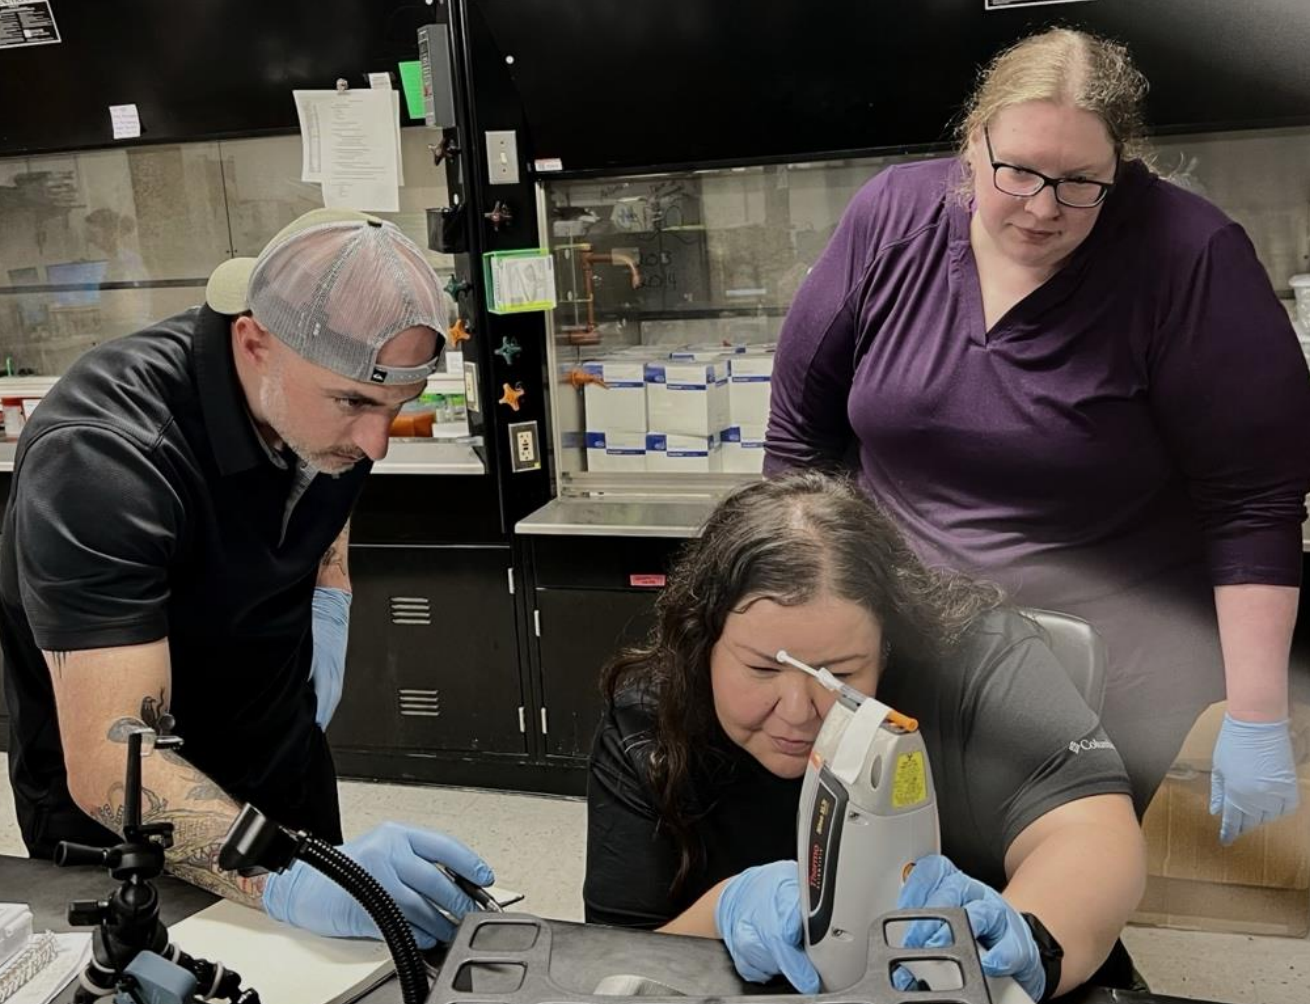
x=1132, y=433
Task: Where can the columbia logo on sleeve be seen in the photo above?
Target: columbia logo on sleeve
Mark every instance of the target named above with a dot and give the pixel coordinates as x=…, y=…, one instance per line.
x=1084, y=745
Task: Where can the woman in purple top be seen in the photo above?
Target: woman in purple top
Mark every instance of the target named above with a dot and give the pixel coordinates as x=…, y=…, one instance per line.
x=1061, y=372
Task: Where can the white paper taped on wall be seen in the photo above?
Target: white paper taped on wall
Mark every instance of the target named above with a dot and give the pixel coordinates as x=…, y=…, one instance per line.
x=125, y=120
x=350, y=143
x=27, y=22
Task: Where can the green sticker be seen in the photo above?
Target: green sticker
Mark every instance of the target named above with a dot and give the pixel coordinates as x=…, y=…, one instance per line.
x=411, y=82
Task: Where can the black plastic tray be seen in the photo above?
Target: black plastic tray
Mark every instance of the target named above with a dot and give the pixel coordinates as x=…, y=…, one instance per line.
x=506, y=959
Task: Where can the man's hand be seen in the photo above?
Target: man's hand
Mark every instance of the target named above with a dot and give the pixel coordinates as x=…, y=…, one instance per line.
x=403, y=859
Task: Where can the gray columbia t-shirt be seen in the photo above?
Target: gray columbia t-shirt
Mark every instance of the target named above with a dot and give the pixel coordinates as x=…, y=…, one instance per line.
x=1009, y=739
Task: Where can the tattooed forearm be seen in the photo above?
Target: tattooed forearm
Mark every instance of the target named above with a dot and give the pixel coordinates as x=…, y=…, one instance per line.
x=335, y=558
x=110, y=815
x=175, y=791
x=334, y=569
x=202, y=788
x=197, y=839
x=154, y=712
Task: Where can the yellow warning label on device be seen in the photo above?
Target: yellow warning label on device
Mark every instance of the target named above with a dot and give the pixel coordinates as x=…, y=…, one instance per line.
x=910, y=782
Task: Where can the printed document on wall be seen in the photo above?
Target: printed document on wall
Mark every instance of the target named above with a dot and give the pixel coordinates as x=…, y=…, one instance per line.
x=350, y=142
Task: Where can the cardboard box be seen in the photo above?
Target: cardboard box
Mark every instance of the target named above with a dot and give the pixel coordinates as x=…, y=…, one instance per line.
x=687, y=399
x=616, y=451
x=743, y=450
x=618, y=404
x=750, y=383
x=1259, y=885
x=683, y=454
x=701, y=354
x=646, y=353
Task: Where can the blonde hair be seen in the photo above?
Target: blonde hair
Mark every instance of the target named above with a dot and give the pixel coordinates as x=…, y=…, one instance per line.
x=1066, y=67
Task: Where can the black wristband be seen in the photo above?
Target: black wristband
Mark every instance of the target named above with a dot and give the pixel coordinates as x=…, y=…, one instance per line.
x=1051, y=954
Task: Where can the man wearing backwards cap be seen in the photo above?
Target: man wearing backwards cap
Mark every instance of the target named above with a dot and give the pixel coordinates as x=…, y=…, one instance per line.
x=172, y=497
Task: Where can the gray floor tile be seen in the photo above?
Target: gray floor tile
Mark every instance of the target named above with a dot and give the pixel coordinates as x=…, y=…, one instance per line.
x=1234, y=968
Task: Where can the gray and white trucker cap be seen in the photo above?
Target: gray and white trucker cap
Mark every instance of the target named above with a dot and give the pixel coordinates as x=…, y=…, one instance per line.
x=335, y=286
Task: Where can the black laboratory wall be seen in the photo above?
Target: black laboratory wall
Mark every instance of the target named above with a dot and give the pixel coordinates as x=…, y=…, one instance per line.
x=200, y=69
x=610, y=86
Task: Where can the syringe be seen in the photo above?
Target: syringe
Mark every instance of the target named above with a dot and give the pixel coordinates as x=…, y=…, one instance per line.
x=824, y=677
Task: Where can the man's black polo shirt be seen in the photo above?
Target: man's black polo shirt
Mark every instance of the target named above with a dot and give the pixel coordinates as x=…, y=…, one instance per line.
x=143, y=506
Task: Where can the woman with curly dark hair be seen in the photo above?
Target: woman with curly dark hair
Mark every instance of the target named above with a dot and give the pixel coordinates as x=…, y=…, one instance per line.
x=697, y=766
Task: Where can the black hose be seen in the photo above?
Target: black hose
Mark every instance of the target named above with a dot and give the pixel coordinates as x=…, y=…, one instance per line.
x=379, y=905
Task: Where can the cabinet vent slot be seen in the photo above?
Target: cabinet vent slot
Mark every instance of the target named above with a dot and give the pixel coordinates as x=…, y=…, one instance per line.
x=411, y=610
x=420, y=703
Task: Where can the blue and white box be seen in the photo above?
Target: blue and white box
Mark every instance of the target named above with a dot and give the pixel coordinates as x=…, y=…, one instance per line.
x=687, y=398
x=750, y=384
x=618, y=402
x=674, y=454
x=616, y=451
x=743, y=450
x=706, y=352
x=643, y=352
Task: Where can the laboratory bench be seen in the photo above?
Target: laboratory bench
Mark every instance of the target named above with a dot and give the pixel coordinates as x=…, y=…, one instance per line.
x=580, y=955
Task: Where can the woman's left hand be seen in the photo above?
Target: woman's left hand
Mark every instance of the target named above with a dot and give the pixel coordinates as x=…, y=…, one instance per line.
x=1254, y=777
x=1006, y=939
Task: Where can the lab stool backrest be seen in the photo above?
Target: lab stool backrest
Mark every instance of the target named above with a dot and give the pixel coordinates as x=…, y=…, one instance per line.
x=1079, y=648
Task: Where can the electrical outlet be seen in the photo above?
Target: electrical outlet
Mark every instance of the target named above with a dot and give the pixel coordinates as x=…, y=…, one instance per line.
x=524, y=447
x=502, y=158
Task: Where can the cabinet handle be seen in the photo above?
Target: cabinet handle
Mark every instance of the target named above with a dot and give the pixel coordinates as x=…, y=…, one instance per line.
x=544, y=731
x=523, y=722
x=536, y=622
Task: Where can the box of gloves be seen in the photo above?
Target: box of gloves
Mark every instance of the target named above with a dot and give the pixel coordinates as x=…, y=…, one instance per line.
x=743, y=449
x=616, y=451
x=687, y=398
x=750, y=377
x=1260, y=884
x=681, y=454
x=615, y=394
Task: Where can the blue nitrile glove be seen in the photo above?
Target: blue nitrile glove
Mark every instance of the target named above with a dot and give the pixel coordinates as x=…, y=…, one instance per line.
x=402, y=859
x=1253, y=779
x=1005, y=937
x=759, y=919
x=327, y=671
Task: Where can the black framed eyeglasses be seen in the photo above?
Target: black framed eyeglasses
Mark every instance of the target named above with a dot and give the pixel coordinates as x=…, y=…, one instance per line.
x=1025, y=183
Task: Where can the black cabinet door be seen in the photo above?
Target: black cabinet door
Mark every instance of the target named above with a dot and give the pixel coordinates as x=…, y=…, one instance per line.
x=432, y=662
x=581, y=629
